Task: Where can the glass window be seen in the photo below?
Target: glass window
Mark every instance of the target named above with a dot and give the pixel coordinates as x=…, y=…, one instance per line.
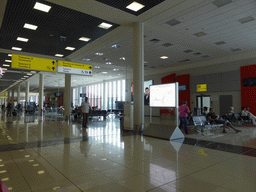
x=110, y=89
x=106, y=96
x=118, y=90
x=114, y=95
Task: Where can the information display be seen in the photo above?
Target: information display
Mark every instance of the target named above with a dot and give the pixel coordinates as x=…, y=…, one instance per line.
x=162, y=95
x=74, y=68
x=201, y=87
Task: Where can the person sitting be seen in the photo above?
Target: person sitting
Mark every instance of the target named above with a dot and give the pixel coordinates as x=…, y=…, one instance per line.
x=230, y=116
x=251, y=116
x=205, y=111
x=244, y=114
x=213, y=118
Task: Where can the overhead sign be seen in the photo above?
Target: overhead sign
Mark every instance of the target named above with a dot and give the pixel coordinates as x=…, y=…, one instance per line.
x=33, y=63
x=74, y=68
x=201, y=87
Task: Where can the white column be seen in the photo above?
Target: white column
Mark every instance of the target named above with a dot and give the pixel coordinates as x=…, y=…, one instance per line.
x=104, y=96
x=138, y=76
x=27, y=92
x=18, y=94
x=67, y=96
x=41, y=93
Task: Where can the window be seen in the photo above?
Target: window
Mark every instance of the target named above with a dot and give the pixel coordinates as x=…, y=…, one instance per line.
x=123, y=90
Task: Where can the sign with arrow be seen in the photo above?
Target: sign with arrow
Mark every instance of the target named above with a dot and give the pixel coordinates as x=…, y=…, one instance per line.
x=33, y=63
x=74, y=68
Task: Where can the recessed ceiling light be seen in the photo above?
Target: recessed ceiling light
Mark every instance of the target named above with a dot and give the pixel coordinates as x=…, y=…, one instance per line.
x=119, y=74
x=59, y=55
x=8, y=61
x=135, y=6
x=105, y=72
x=16, y=48
x=22, y=39
x=42, y=7
x=70, y=48
x=84, y=39
x=32, y=71
x=105, y=25
x=25, y=76
x=29, y=26
x=115, y=69
x=200, y=34
x=116, y=46
x=100, y=54
x=109, y=63
x=122, y=58
x=164, y=57
x=4, y=69
x=97, y=67
x=29, y=74
x=5, y=65
x=9, y=55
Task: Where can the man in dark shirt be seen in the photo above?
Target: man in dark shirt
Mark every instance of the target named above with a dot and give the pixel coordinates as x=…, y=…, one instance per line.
x=213, y=118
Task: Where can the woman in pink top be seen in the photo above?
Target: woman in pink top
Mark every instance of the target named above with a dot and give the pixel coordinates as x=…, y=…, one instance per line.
x=184, y=111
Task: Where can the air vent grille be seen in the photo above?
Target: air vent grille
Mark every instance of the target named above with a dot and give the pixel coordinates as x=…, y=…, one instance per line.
x=167, y=44
x=246, y=19
x=188, y=51
x=220, y=3
x=220, y=43
x=154, y=40
x=173, y=22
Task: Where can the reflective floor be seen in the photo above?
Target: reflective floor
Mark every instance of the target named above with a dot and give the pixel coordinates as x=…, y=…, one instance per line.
x=50, y=154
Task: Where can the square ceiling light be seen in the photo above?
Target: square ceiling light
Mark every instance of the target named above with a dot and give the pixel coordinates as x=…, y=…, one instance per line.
x=16, y=48
x=164, y=57
x=30, y=26
x=42, y=7
x=105, y=25
x=173, y=22
x=135, y=6
x=9, y=55
x=8, y=61
x=70, y=48
x=59, y=55
x=22, y=39
x=5, y=65
x=84, y=39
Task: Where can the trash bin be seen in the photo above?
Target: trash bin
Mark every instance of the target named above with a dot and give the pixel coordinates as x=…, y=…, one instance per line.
x=122, y=123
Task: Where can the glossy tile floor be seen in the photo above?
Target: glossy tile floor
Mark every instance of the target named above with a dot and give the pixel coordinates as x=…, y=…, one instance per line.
x=49, y=154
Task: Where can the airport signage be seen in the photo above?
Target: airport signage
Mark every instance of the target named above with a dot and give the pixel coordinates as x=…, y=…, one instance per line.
x=74, y=68
x=201, y=87
x=33, y=63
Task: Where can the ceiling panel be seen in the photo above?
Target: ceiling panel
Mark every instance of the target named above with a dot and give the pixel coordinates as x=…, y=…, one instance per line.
x=122, y=4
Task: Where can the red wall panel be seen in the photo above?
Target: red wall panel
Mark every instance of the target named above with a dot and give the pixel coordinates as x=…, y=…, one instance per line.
x=184, y=95
x=248, y=94
x=168, y=79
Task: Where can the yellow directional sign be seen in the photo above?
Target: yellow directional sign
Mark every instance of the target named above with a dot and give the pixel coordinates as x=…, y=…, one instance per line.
x=201, y=87
x=74, y=65
x=33, y=63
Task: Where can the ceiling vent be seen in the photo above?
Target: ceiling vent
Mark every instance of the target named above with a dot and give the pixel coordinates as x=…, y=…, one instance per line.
x=220, y=43
x=246, y=19
x=185, y=60
x=188, y=51
x=173, y=22
x=220, y=3
x=167, y=44
x=237, y=49
x=200, y=34
x=155, y=40
x=198, y=53
x=205, y=56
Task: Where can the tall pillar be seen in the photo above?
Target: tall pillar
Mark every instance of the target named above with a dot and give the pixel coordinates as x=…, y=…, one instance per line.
x=18, y=94
x=27, y=92
x=67, y=96
x=13, y=95
x=138, y=76
x=104, y=96
x=41, y=93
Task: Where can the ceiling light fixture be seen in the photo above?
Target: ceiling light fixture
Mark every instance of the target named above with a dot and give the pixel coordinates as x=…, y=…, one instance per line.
x=29, y=26
x=9, y=55
x=122, y=58
x=29, y=74
x=164, y=57
x=4, y=69
x=59, y=55
x=105, y=72
x=100, y=54
x=8, y=61
x=32, y=71
x=5, y=65
x=42, y=7
x=70, y=48
x=84, y=39
x=135, y=6
x=22, y=39
x=84, y=59
x=16, y=48
x=26, y=76
x=105, y=25
x=109, y=63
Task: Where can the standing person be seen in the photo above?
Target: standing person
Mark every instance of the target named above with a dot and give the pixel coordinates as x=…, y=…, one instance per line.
x=85, y=107
x=9, y=109
x=3, y=107
x=184, y=111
